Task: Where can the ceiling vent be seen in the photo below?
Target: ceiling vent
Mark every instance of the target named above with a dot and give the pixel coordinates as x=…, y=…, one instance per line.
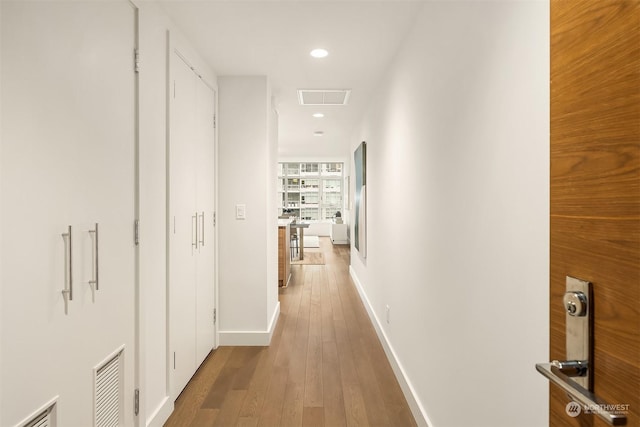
x=323, y=96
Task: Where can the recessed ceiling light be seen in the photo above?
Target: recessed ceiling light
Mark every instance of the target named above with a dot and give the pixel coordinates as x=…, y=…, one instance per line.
x=319, y=53
x=318, y=115
x=318, y=133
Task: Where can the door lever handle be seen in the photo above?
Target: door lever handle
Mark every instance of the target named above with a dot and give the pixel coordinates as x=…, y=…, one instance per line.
x=572, y=368
x=560, y=373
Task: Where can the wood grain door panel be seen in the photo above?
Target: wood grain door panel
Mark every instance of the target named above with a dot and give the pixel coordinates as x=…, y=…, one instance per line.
x=595, y=190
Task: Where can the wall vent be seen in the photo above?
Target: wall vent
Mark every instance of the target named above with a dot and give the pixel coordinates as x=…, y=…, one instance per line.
x=44, y=417
x=323, y=96
x=109, y=392
x=42, y=420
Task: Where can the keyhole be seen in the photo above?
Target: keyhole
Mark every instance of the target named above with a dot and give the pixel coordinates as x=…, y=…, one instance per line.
x=575, y=303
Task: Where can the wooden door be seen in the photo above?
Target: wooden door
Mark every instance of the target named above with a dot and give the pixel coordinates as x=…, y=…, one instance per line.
x=183, y=219
x=595, y=191
x=68, y=159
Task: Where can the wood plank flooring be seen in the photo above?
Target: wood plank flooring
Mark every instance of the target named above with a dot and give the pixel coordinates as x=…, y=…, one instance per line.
x=325, y=365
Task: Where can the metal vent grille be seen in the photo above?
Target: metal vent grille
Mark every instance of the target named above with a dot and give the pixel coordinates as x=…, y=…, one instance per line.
x=108, y=389
x=42, y=421
x=44, y=418
x=323, y=96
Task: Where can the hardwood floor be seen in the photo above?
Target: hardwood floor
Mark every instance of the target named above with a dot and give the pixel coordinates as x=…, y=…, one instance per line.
x=324, y=367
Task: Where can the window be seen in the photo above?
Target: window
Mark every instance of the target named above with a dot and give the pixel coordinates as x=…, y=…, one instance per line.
x=293, y=185
x=309, y=169
x=309, y=185
x=292, y=169
x=331, y=169
x=311, y=191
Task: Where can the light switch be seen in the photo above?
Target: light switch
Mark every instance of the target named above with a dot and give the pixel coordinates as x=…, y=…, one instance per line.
x=241, y=211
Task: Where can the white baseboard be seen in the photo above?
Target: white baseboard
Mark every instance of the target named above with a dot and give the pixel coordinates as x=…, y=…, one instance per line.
x=161, y=414
x=416, y=407
x=250, y=338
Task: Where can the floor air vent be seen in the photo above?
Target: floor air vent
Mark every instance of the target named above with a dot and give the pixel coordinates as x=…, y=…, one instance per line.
x=109, y=392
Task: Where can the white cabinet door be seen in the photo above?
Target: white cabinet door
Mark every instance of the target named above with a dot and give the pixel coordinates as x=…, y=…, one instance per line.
x=183, y=219
x=192, y=241
x=68, y=158
x=205, y=202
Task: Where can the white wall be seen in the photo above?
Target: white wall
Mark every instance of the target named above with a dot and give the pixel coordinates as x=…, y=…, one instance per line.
x=1, y=209
x=246, y=160
x=272, y=208
x=324, y=149
x=155, y=31
x=458, y=206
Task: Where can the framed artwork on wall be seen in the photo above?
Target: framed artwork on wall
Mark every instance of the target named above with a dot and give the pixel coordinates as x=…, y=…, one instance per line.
x=347, y=193
x=360, y=198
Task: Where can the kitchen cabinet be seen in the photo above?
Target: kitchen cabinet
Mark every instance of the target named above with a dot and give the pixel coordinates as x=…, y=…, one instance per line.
x=284, y=252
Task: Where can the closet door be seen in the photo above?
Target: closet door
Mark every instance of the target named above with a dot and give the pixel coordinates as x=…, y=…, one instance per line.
x=183, y=218
x=205, y=200
x=68, y=159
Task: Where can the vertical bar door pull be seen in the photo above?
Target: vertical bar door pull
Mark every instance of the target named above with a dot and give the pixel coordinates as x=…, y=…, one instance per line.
x=202, y=230
x=194, y=242
x=67, y=292
x=96, y=259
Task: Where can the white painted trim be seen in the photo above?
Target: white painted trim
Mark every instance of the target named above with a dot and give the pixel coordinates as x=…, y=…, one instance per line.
x=409, y=392
x=251, y=338
x=274, y=321
x=216, y=205
x=161, y=414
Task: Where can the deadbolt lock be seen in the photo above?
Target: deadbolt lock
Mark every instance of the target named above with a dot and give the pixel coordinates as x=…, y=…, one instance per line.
x=575, y=303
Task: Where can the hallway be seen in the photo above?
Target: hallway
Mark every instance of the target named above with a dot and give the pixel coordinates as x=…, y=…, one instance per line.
x=325, y=365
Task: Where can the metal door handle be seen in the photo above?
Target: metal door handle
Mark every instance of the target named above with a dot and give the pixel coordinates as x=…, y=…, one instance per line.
x=96, y=261
x=194, y=242
x=67, y=292
x=202, y=230
x=559, y=373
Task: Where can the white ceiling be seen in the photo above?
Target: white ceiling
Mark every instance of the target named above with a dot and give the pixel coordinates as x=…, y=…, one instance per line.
x=274, y=38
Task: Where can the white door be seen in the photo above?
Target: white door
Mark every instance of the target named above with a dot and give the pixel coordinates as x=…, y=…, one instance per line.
x=68, y=159
x=191, y=222
x=183, y=219
x=205, y=260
